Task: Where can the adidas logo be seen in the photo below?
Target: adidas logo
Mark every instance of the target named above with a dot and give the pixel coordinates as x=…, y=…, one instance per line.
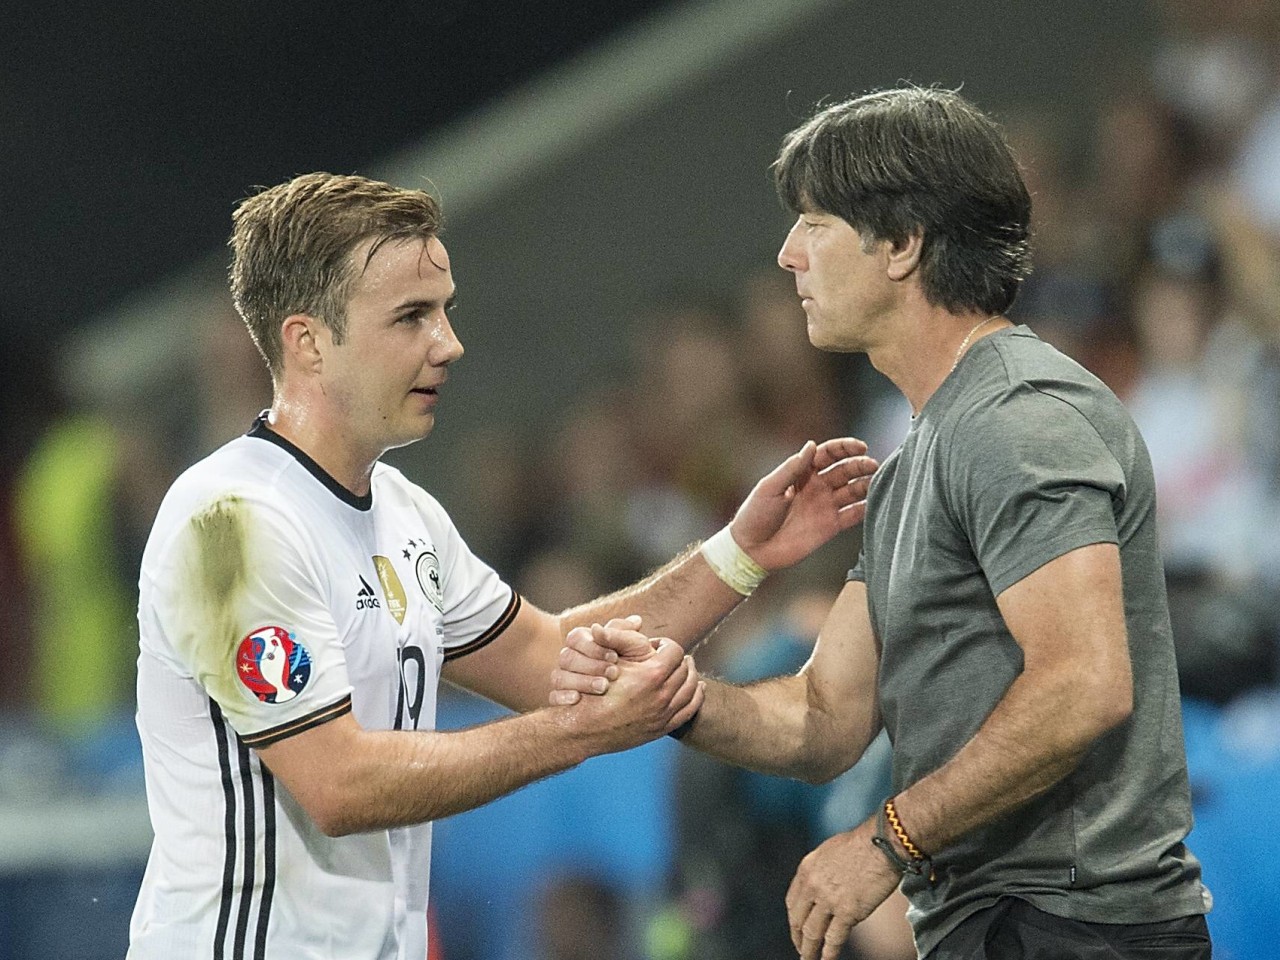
x=366, y=599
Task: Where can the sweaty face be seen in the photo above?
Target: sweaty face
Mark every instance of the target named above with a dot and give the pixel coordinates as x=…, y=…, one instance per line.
x=384, y=378
x=842, y=287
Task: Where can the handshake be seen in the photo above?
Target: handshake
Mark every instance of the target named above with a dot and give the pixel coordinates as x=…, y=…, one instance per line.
x=625, y=686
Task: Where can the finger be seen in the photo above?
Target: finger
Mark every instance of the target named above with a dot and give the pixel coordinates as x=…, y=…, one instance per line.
x=790, y=472
x=852, y=515
x=675, y=680
x=625, y=643
x=849, y=469
x=813, y=932
x=861, y=486
x=685, y=692
x=798, y=906
x=668, y=653
x=632, y=622
x=564, y=698
x=837, y=934
x=689, y=712
x=847, y=494
x=572, y=661
x=829, y=451
x=583, y=640
x=566, y=680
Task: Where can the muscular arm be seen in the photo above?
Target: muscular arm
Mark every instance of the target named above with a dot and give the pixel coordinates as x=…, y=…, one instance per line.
x=1077, y=683
x=809, y=498
x=811, y=726
x=349, y=779
x=1068, y=618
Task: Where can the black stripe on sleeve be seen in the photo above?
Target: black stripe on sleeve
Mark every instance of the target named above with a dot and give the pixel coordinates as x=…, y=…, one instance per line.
x=250, y=851
x=229, y=829
x=269, y=860
x=505, y=620
x=266, y=738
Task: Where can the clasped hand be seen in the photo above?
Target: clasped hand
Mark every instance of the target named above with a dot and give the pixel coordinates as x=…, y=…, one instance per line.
x=651, y=692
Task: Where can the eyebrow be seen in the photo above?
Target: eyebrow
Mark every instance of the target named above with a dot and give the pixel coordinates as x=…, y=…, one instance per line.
x=426, y=304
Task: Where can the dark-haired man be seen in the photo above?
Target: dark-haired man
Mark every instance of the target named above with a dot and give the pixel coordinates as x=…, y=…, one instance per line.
x=1006, y=621
x=300, y=602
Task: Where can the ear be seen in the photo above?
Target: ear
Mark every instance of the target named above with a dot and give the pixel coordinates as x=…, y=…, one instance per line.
x=302, y=339
x=904, y=256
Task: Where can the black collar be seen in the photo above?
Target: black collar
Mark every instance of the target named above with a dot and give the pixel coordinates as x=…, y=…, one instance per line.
x=263, y=431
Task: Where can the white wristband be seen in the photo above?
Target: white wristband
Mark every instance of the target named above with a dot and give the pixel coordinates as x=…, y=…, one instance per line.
x=731, y=563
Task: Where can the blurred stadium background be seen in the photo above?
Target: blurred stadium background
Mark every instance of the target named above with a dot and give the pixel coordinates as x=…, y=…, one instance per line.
x=634, y=360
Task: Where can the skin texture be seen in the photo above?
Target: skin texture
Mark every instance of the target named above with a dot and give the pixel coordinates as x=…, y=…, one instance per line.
x=345, y=404
x=1067, y=617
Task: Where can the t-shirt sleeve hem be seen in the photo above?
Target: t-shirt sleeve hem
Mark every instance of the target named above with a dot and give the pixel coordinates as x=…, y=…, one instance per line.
x=495, y=630
x=315, y=718
x=1004, y=578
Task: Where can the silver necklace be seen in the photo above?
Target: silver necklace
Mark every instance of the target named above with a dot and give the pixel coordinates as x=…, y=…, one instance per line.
x=969, y=336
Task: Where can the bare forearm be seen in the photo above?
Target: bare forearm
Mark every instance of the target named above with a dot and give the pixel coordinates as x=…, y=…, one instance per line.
x=775, y=727
x=1033, y=739
x=683, y=600
x=1068, y=617
x=397, y=778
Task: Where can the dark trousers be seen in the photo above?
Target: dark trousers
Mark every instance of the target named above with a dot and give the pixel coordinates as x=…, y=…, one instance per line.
x=1015, y=930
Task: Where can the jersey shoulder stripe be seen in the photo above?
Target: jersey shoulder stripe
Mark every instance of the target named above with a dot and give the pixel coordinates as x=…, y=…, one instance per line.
x=315, y=718
x=505, y=620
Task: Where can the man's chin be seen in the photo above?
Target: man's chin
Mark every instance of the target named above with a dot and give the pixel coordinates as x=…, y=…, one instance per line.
x=419, y=430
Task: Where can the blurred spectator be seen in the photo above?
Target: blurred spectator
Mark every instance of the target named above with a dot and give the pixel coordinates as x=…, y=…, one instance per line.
x=1215, y=65
x=792, y=388
x=85, y=498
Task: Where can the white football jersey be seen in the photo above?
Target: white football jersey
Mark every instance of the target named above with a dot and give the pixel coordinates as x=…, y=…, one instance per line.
x=273, y=600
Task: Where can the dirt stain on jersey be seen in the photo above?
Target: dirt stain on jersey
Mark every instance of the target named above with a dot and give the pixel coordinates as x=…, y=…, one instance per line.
x=220, y=569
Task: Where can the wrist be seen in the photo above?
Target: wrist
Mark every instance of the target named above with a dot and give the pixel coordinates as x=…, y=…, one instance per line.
x=682, y=731
x=733, y=565
x=891, y=839
x=579, y=738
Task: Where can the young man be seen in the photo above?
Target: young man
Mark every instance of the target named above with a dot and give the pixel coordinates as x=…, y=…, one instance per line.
x=300, y=601
x=1007, y=620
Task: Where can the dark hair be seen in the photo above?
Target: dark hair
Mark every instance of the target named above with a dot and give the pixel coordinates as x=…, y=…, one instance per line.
x=895, y=162
x=292, y=247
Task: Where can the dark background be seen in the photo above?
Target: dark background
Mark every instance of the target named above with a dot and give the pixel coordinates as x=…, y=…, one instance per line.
x=131, y=129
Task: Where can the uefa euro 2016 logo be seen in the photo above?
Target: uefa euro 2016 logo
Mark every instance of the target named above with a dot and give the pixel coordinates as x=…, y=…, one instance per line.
x=273, y=664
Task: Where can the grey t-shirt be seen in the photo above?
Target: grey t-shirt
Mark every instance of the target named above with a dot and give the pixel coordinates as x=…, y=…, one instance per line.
x=1019, y=457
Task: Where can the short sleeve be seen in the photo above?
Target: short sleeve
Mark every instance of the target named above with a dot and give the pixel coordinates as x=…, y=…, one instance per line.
x=476, y=604
x=1031, y=480
x=243, y=611
x=859, y=571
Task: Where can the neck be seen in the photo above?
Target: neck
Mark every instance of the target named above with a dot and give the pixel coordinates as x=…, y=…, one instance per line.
x=323, y=438
x=925, y=345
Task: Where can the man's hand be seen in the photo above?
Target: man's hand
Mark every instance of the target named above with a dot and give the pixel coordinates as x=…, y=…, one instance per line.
x=647, y=699
x=804, y=502
x=837, y=886
x=588, y=661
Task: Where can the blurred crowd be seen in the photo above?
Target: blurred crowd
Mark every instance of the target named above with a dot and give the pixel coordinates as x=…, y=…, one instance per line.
x=1157, y=245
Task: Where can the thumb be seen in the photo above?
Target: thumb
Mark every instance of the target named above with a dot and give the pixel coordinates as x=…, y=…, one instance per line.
x=790, y=471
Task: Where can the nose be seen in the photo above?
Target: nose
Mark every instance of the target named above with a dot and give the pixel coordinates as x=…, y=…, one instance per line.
x=446, y=348
x=791, y=257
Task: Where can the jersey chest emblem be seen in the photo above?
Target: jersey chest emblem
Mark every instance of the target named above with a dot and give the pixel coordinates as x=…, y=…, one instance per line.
x=273, y=664
x=421, y=555
x=427, y=569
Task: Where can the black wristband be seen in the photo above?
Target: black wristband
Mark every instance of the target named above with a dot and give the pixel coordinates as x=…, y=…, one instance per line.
x=680, y=731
